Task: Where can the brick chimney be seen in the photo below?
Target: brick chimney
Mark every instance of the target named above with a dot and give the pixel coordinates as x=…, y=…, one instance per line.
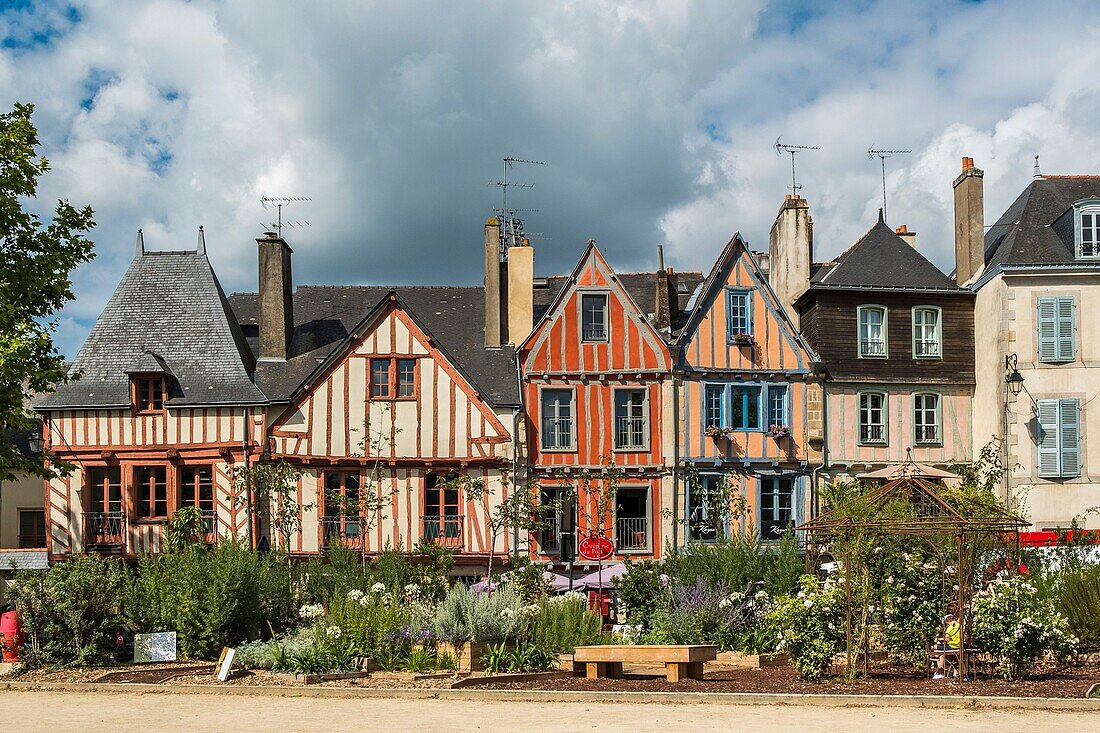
x=969, y=223
x=276, y=302
x=662, y=302
x=790, y=252
x=908, y=236
x=494, y=268
x=520, y=307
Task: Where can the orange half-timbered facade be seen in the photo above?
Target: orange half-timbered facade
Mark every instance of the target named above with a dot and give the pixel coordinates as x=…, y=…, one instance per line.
x=596, y=387
x=747, y=382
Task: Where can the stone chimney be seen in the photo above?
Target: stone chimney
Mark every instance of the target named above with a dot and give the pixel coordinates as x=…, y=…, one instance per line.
x=969, y=223
x=665, y=294
x=493, y=271
x=790, y=252
x=276, y=302
x=520, y=307
x=908, y=236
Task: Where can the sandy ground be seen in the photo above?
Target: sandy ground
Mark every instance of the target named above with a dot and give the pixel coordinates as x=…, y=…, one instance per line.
x=87, y=712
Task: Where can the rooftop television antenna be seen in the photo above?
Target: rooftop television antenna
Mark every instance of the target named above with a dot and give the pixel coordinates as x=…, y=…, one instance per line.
x=511, y=227
x=782, y=147
x=882, y=155
x=277, y=203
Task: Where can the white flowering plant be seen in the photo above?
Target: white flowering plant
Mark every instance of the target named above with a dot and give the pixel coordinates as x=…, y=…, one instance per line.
x=1013, y=621
x=914, y=594
x=810, y=626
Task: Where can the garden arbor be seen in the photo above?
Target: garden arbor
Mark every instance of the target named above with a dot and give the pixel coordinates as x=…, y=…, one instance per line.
x=870, y=530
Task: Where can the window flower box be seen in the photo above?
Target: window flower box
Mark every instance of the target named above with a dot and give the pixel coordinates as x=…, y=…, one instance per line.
x=779, y=431
x=743, y=339
x=713, y=431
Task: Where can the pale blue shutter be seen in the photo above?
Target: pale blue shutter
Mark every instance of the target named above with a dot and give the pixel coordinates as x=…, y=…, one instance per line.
x=1048, y=330
x=1070, y=437
x=1049, y=429
x=1065, y=316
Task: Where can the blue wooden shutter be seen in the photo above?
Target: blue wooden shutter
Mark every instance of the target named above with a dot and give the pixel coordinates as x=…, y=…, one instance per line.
x=1048, y=330
x=1065, y=316
x=1048, y=438
x=1069, y=437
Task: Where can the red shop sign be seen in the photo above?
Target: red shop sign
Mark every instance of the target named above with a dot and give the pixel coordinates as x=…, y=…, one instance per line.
x=594, y=547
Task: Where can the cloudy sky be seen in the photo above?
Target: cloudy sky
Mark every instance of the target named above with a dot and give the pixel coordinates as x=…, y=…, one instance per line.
x=657, y=121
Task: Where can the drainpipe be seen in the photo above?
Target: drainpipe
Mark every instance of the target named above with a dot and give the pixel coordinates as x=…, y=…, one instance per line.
x=516, y=415
x=675, y=463
x=248, y=484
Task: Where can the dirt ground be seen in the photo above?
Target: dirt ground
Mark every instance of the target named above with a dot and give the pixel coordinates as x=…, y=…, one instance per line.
x=92, y=712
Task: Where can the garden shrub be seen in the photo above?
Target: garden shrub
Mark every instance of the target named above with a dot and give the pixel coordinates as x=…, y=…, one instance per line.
x=642, y=589
x=528, y=580
x=912, y=596
x=483, y=617
x=1079, y=601
x=562, y=623
x=260, y=654
x=810, y=626
x=366, y=618
x=740, y=561
x=1013, y=621
x=709, y=614
x=69, y=612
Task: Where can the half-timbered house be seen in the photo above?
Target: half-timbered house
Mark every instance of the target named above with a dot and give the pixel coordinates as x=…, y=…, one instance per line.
x=748, y=407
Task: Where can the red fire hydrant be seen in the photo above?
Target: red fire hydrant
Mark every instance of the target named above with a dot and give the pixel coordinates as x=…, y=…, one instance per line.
x=11, y=636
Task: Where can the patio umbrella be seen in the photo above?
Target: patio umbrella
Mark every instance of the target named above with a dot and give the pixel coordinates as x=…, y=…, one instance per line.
x=601, y=580
x=560, y=583
x=483, y=586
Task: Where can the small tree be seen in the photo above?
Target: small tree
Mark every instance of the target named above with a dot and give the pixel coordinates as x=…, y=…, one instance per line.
x=521, y=510
x=271, y=489
x=367, y=505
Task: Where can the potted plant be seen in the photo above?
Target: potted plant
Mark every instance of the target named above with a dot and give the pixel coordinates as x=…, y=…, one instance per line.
x=779, y=431
x=713, y=431
x=743, y=339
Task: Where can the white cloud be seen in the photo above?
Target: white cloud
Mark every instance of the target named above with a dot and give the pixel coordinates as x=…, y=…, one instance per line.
x=657, y=120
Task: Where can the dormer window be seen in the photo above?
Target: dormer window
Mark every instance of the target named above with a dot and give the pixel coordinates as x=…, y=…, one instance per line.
x=149, y=393
x=1087, y=215
x=594, y=317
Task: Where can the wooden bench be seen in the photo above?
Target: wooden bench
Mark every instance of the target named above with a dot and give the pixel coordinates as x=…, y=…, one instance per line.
x=681, y=662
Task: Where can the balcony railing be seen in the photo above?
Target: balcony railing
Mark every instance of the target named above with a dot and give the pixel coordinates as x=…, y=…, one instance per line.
x=210, y=527
x=872, y=433
x=631, y=533
x=595, y=332
x=872, y=347
x=928, y=348
x=344, y=531
x=928, y=433
x=630, y=432
x=548, y=540
x=104, y=529
x=444, y=530
x=557, y=433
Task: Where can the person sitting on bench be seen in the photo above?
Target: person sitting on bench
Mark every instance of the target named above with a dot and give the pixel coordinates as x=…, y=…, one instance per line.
x=951, y=641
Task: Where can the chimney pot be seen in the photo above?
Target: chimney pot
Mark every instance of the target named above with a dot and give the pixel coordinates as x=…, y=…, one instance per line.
x=968, y=163
x=902, y=229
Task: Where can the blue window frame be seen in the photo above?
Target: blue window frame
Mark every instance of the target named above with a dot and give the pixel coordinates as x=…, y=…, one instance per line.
x=777, y=405
x=776, y=507
x=738, y=313
x=713, y=401
x=744, y=407
x=706, y=519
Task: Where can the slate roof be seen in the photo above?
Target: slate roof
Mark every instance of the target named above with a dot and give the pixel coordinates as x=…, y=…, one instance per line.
x=324, y=316
x=169, y=304
x=1027, y=234
x=880, y=259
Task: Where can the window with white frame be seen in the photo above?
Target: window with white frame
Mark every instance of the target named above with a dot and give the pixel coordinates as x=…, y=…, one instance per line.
x=738, y=313
x=594, y=317
x=713, y=397
x=1088, y=230
x=1059, y=438
x=776, y=507
x=926, y=332
x=872, y=331
x=631, y=419
x=1057, y=330
x=872, y=417
x=926, y=418
x=557, y=419
x=777, y=405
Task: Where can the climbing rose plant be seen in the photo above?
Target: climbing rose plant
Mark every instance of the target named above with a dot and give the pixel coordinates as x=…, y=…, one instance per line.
x=810, y=626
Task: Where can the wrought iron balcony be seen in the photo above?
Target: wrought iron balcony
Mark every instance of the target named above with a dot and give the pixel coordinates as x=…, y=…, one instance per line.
x=105, y=530
x=346, y=531
x=872, y=433
x=631, y=432
x=631, y=533
x=928, y=433
x=444, y=530
x=927, y=348
x=872, y=347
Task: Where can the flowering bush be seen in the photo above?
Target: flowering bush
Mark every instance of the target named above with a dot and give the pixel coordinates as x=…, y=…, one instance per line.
x=1012, y=621
x=913, y=605
x=706, y=613
x=743, y=338
x=779, y=431
x=810, y=626
x=366, y=618
x=713, y=431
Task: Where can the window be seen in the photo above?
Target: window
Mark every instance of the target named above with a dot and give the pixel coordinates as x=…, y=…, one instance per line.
x=1059, y=438
x=104, y=488
x=149, y=394
x=548, y=533
x=197, y=487
x=872, y=331
x=342, y=508
x=776, y=501
x=872, y=417
x=1088, y=231
x=926, y=332
x=631, y=519
x=593, y=317
x=777, y=405
x=714, y=395
x=32, y=528
x=380, y=378
x=631, y=419
x=705, y=511
x=1056, y=317
x=557, y=419
x=393, y=379
x=738, y=313
x=151, y=489
x=442, y=522
x=926, y=418
x=744, y=407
